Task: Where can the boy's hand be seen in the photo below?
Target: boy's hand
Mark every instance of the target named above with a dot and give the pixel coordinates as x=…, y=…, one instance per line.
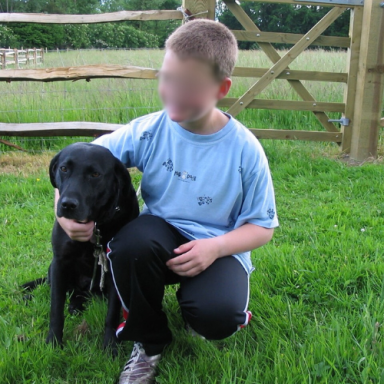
x=198, y=255
x=195, y=257
x=77, y=231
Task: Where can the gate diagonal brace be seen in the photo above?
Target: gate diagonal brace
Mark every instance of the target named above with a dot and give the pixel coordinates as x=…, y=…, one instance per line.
x=274, y=56
x=282, y=64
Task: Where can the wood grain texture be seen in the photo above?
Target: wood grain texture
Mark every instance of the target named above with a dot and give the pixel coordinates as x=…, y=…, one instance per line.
x=78, y=73
x=89, y=19
x=370, y=84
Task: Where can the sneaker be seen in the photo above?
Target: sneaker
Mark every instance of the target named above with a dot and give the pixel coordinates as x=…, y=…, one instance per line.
x=140, y=368
x=192, y=332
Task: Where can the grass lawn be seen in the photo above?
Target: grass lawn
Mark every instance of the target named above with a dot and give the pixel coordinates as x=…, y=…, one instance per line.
x=317, y=294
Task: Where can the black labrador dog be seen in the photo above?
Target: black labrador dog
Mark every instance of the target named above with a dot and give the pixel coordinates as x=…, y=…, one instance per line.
x=93, y=186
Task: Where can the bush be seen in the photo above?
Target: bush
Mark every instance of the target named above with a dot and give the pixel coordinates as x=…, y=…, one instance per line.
x=48, y=36
x=118, y=35
x=7, y=37
x=77, y=36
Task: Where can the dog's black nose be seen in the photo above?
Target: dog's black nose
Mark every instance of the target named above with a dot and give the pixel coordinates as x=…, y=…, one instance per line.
x=69, y=204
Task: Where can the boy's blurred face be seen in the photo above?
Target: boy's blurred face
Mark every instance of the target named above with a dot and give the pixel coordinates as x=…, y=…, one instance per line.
x=187, y=87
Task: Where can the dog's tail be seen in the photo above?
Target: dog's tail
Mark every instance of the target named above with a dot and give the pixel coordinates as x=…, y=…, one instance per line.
x=31, y=285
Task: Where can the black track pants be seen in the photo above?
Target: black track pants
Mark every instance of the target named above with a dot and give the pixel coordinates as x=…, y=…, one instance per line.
x=214, y=303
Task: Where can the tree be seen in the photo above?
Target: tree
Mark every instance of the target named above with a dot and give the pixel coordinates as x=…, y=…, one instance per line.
x=162, y=29
x=285, y=18
x=38, y=35
x=7, y=37
x=130, y=34
x=120, y=35
x=50, y=6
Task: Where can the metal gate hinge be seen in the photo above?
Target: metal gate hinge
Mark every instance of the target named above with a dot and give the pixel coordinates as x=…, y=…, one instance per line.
x=342, y=121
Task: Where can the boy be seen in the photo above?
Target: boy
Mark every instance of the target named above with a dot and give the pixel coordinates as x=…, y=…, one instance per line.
x=208, y=197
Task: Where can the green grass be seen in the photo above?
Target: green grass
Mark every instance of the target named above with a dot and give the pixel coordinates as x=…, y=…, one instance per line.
x=317, y=294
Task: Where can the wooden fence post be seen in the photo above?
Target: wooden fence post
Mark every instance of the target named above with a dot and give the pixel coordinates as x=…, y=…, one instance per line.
x=370, y=83
x=197, y=6
x=16, y=58
x=3, y=58
x=211, y=9
x=34, y=56
x=352, y=70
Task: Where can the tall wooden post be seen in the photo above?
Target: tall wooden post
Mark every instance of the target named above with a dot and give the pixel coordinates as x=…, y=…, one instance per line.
x=34, y=56
x=197, y=6
x=370, y=83
x=3, y=58
x=355, y=27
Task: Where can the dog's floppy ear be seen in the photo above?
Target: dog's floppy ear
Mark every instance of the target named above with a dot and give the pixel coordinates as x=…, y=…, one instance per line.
x=52, y=170
x=122, y=174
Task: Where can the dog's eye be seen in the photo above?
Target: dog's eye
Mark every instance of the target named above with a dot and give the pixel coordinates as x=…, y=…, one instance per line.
x=63, y=169
x=95, y=174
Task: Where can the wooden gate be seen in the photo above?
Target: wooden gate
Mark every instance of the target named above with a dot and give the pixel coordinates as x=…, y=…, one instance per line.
x=361, y=110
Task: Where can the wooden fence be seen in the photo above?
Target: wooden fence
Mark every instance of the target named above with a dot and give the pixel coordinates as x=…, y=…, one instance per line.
x=17, y=57
x=357, y=131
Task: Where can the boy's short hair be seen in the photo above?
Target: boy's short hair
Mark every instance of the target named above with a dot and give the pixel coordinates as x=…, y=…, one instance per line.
x=206, y=40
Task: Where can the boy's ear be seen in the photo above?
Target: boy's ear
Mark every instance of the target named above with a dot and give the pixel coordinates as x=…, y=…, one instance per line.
x=225, y=86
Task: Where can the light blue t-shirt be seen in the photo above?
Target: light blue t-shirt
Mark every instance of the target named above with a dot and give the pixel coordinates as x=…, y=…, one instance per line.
x=204, y=185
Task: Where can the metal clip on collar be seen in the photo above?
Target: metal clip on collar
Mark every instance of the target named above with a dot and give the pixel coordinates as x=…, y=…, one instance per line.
x=100, y=259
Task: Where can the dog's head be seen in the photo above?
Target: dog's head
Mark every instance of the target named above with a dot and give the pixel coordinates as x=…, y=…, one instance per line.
x=89, y=179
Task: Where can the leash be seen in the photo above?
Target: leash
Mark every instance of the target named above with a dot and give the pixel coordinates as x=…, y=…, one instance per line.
x=100, y=259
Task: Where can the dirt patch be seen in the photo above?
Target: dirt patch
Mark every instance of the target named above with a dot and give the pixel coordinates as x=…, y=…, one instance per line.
x=24, y=164
x=345, y=158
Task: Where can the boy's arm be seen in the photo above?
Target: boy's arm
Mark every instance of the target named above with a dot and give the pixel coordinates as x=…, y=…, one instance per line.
x=197, y=255
x=75, y=231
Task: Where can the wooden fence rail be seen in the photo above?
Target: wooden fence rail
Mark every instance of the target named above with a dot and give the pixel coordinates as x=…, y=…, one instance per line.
x=119, y=71
x=79, y=72
x=82, y=128
x=88, y=19
x=17, y=57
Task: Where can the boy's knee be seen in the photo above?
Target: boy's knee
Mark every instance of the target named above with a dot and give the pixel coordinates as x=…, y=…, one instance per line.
x=213, y=322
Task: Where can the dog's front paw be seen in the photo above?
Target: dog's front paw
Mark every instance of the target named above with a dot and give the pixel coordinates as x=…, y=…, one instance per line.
x=76, y=305
x=54, y=339
x=110, y=342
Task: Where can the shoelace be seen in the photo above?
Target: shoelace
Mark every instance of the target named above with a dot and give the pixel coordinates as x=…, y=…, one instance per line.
x=135, y=354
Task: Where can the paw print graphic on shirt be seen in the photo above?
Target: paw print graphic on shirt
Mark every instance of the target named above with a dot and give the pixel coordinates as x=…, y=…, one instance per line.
x=168, y=165
x=271, y=213
x=204, y=200
x=146, y=136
